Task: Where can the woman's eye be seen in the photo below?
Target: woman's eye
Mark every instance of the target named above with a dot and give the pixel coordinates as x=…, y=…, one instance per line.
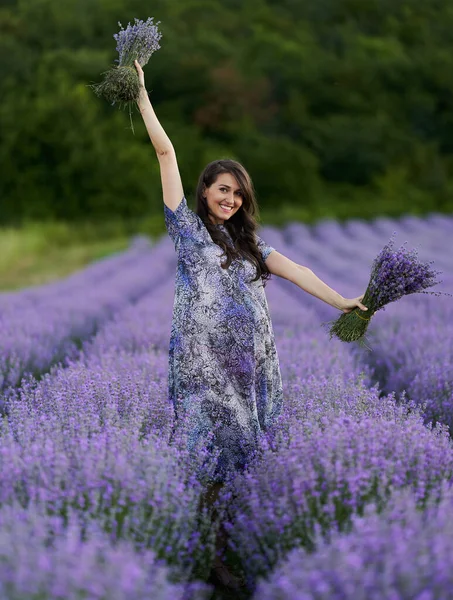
x=222, y=189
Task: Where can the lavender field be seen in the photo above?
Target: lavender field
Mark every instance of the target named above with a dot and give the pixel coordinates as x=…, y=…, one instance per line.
x=348, y=497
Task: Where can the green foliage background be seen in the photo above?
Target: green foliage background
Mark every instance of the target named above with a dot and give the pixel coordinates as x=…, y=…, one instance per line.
x=337, y=108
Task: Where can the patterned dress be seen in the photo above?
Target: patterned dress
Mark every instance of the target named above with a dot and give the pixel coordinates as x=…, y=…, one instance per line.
x=223, y=363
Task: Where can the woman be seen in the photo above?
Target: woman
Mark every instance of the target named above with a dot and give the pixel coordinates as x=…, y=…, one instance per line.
x=223, y=363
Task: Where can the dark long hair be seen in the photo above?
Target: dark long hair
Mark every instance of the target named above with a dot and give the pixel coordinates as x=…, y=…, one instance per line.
x=242, y=225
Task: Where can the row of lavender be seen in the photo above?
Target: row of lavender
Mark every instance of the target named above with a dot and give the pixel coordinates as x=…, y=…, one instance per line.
x=327, y=472
x=45, y=325
x=412, y=340
x=86, y=463
x=86, y=448
x=86, y=471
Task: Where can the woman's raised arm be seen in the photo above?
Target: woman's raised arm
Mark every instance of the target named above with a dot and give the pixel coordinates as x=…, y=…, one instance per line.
x=171, y=180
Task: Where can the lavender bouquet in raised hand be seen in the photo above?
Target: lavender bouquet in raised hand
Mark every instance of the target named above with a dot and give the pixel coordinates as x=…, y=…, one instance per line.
x=121, y=84
x=394, y=274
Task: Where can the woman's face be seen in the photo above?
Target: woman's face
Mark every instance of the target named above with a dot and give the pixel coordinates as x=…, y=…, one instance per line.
x=224, y=198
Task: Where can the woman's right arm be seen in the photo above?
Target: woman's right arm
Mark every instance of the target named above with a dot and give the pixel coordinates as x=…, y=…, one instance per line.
x=171, y=180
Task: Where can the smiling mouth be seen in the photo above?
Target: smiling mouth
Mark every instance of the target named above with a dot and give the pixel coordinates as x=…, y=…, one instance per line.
x=226, y=208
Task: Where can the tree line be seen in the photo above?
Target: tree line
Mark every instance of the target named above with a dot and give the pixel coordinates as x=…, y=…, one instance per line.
x=336, y=107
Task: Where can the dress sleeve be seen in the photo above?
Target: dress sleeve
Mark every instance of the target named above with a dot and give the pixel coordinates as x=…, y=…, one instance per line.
x=184, y=224
x=264, y=248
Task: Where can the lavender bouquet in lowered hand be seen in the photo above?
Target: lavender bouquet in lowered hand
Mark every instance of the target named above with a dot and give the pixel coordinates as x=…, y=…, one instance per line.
x=394, y=274
x=121, y=84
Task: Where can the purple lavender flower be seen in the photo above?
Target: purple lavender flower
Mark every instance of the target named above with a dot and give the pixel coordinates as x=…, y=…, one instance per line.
x=121, y=84
x=140, y=490
x=402, y=553
x=43, y=325
x=418, y=363
x=398, y=273
x=327, y=473
x=394, y=274
x=137, y=42
x=51, y=557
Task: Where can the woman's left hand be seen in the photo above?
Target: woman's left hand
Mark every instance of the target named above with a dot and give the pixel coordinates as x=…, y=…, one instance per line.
x=350, y=304
x=141, y=75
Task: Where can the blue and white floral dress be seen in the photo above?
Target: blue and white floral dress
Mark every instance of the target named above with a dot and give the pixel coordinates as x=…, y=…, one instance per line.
x=223, y=362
